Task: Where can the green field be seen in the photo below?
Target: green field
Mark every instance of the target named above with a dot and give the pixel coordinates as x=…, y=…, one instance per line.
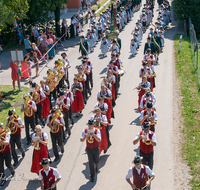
x=190, y=104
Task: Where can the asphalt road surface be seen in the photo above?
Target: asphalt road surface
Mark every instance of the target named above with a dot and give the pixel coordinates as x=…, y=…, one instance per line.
x=73, y=165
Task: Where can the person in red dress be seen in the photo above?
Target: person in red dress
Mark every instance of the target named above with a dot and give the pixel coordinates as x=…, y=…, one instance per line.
x=78, y=104
x=39, y=141
x=111, y=80
x=14, y=73
x=24, y=69
x=100, y=122
x=46, y=102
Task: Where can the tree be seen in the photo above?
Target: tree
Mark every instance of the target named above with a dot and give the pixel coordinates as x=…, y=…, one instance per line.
x=11, y=10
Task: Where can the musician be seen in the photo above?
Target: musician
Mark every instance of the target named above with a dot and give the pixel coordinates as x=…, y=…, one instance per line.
x=78, y=104
x=67, y=66
x=139, y=172
x=107, y=97
x=114, y=48
x=149, y=115
x=48, y=176
x=61, y=82
x=147, y=141
x=149, y=55
x=56, y=122
x=29, y=108
x=143, y=86
x=89, y=63
x=86, y=71
x=92, y=136
x=157, y=42
x=46, y=103
x=152, y=78
x=111, y=79
x=152, y=95
x=5, y=154
x=115, y=72
x=150, y=45
x=64, y=103
x=15, y=124
x=144, y=101
x=70, y=95
x=118, y=40
x=103, y=106
x=38, y=100
x=83, y=48
x=39, y=141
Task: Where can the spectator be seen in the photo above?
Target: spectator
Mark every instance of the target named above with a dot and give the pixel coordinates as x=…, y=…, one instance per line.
x=44, y=45
x=40, y=38
x=35, y=34
x=20, y=34
x=27, y=44
x=58, y=29
x=14, y=72
x=35, y=48
x=64, y=29
x=51, y=52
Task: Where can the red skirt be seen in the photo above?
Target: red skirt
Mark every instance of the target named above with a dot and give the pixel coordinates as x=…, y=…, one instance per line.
x=103, y=144
x=78, y=103
x=113, y=90
x=24, y=69
x=45, y=107
x=151, y=81
x=109, y=111
x=141, y=93
x=37, y=158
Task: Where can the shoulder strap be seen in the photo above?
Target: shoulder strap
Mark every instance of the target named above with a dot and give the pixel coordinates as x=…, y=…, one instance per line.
x=47, y=178
x=137, y=177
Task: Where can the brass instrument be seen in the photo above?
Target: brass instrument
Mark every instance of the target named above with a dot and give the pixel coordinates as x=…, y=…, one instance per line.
x=90, y=132
x=150, y=118
x=59, y=106
x=52, y=80
x=97, y=123
x=110, y=80
x=79, y=77
x=58, y=69
x=28, y=111
x=35, y=95
x=6, y=131
x=146, y=139
x=53, y=123
x=146, y=73
x=154, y=74
x=11, y=124
x=37, y=147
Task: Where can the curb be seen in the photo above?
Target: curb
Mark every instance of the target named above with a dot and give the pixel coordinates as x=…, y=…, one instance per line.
x=102, y=6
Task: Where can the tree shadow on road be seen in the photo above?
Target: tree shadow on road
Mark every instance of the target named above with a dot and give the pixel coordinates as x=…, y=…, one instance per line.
x=88, y=185
x=32, y=185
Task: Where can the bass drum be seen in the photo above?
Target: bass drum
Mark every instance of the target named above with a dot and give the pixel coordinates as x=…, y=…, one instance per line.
x=121, y=73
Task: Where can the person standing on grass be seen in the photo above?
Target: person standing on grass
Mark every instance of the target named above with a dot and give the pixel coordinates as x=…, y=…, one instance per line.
x=14, y=73
x=27, y=44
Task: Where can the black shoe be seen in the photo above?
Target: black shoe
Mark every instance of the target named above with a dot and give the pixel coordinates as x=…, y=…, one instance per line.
x=92, y=179
x=62, y=151
x=97, y=168
x=15, y=163
x=56, y=159
x=109, y=121
x=23, y=154
x=90, y=93
x=80, y=111
x=3, y=182
x=105, y=151
x=28, y=142
x=13, y=172
x=69, y=132
x=72, y=121
x=85, y=102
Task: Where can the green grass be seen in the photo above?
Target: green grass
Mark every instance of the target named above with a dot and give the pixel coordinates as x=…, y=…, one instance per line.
x=8, y=46
x=13, y=97
x=189, y=89
x=103, y=9
x=101, y=4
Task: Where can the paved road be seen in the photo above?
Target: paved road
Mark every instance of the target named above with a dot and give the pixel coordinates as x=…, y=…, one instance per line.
x=73, y=166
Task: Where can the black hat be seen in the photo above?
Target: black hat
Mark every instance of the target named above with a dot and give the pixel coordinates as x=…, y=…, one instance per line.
x=148, y=50
x=144, y=63
x=79, y=67
x=84, y=61
x=149, y=105
x=137, y=160
x=111, y=62
x=33, y=84
x=90, y=122
x=85, y=58
x=145, y=125
x=64, y=86
x=113, y=54
x=114, y=41
x=45, y=161
x=10, y=112
x=63, y=54
x=53, y=110
x=155, y=32
x=148, y=38
x=56, y=62
x=62, y=93
x=148, y=94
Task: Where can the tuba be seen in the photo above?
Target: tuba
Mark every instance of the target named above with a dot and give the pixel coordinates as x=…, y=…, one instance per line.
x=11, y=124
x=55, y=127
x=6, y=131
x=51, y=80
x=58, y=69
x=28, y=111
x=35, y=95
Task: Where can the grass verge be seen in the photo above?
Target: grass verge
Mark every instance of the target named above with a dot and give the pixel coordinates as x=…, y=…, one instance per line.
x=13, y=98
x=103, y=9
x=95, y=7
x=189, y=89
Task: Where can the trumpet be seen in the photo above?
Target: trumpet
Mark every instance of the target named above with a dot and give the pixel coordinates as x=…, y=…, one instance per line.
x=146, y=139
x=151, y=119
x=90, y=132
x=37, y=147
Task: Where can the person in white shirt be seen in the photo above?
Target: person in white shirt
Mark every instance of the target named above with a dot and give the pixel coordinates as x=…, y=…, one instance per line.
x=139, y=172
x=48, y=176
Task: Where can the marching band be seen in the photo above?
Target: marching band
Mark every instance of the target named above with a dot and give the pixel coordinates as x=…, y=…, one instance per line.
x=38, y=102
